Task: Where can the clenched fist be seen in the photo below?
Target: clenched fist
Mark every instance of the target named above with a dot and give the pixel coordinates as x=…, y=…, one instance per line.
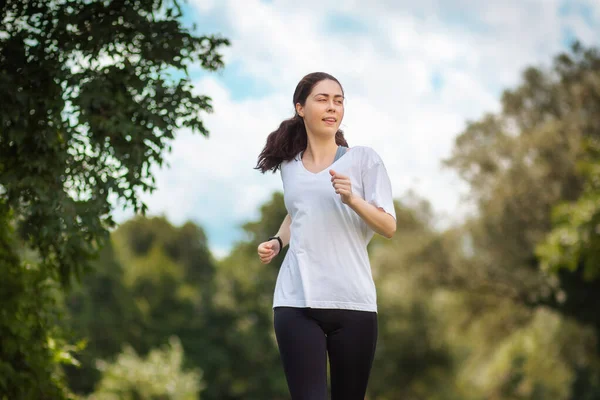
x=343, y=186
x=268, y=250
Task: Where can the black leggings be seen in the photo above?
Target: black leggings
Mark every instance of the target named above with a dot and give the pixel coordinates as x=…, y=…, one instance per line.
x=306, y=335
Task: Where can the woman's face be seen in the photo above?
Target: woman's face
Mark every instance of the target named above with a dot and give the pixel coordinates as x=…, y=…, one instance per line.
x=324, y=108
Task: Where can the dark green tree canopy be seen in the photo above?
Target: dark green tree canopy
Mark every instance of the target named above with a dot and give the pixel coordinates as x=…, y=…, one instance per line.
x=92, y=96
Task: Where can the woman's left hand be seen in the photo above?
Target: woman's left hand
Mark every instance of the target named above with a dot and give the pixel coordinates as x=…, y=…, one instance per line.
x=343, y=186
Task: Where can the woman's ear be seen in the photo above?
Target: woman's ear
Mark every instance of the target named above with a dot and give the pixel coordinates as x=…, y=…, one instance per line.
x=299, y=110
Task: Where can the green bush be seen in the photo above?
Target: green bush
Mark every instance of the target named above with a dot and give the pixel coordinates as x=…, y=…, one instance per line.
x=158, y=376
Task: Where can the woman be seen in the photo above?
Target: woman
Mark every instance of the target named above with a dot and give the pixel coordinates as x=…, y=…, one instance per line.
x=337, y=198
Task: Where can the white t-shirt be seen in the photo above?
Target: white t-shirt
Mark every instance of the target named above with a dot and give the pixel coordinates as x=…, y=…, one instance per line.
x=327, y=265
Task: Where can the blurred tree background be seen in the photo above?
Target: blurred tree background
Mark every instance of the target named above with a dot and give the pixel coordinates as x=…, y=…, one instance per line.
x=502, y=307
x=93, y=94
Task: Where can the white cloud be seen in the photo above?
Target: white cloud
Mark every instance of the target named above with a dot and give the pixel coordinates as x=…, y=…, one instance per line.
x=387, y=69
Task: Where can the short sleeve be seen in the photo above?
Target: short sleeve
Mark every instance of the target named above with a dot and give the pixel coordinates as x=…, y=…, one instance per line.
x=378, y=188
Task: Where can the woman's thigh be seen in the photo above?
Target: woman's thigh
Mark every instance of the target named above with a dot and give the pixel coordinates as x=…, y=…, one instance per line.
x=303, y=351
x=351, y=350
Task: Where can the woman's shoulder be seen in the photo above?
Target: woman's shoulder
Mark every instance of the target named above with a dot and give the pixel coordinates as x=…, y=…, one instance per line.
x=367, y=154
x=286, y=164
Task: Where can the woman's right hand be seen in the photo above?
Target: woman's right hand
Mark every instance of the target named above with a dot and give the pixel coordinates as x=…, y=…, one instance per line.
x=268, y=250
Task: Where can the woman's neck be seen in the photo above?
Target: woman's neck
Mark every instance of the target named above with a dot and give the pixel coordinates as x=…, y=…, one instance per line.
x=320, y=151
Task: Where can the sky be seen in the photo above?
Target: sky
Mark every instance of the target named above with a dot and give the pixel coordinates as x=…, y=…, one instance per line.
x=414, y=73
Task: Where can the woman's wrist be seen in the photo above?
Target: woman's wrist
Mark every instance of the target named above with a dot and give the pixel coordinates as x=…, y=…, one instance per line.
x=279, y=241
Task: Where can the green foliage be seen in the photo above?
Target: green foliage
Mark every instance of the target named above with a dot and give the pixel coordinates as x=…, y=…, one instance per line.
x=92, y=97
x=433, y=343
x=137, y=239
x=574, y=242
x=533, y=242
x=160, y=375
x=536, y=360
x=31, y=348
x=244, y=362
x=537, y=158
x=167, y=271
x=414, y=358
x=90, y=105
x=156, y=280
x=152, y=281
x=102, y=312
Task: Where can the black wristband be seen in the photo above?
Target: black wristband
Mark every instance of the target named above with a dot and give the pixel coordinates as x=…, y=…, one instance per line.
x=280, y=242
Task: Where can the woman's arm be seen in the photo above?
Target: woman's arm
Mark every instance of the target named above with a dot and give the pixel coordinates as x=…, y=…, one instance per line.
x=284, y=231
x=377, y=219
x=268, y=250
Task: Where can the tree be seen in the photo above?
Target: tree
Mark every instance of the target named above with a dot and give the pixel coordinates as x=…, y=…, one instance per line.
x=521, y=164
x=574, y=243
x=89, y=109
x=243, y=362
x=102, y=312
x=152, y=281
x=90, y=104
x=30, y=347
x=168, y=272
x=533, y=173
x=414, y=358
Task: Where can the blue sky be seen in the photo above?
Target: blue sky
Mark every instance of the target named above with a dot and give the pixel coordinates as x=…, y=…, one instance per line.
x=413, y=73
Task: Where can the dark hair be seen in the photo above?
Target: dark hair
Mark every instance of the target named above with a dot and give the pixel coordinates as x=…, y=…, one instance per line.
x=290, y=138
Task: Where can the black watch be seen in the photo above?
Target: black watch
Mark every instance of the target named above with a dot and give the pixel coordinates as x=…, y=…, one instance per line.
x=280, y=242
